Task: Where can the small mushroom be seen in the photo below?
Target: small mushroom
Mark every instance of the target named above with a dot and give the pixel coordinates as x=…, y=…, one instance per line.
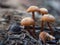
x=43, y=11
x=44, y=36
x=48, y=18
x=33, y=9
x=28, y=22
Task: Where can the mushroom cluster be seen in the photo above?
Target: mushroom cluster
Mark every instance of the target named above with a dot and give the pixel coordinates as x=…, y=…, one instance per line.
x=46, y=18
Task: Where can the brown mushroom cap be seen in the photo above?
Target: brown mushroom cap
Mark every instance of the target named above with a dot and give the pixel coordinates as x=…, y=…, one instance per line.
x=44, y=35
x=48, y=18
x=27, y=21
x=32, y=9
x=43, y=11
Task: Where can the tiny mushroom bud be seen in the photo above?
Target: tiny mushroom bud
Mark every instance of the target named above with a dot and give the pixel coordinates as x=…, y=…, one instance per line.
x=43, y=11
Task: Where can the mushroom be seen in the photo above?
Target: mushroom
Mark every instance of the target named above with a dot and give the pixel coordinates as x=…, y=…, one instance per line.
x=48, y=18
x=44, y=36
x=27, y=21
x=33, y=9
x=43, y=11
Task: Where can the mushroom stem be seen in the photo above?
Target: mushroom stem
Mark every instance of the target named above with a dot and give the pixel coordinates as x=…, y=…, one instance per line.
x=42, y=26
x=31, y=33
x=33, y=16
x=44, y=43
x=27, y=28
x=42, y=14
x=50, y=28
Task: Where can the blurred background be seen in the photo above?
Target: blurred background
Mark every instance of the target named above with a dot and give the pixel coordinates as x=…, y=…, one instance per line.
x=19, y=7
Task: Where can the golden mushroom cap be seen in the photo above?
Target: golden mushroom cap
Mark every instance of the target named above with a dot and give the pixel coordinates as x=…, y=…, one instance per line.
x=43, y=11
x=27, y=21
x=48, y=18
x=44, y=35
x=32, y=9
